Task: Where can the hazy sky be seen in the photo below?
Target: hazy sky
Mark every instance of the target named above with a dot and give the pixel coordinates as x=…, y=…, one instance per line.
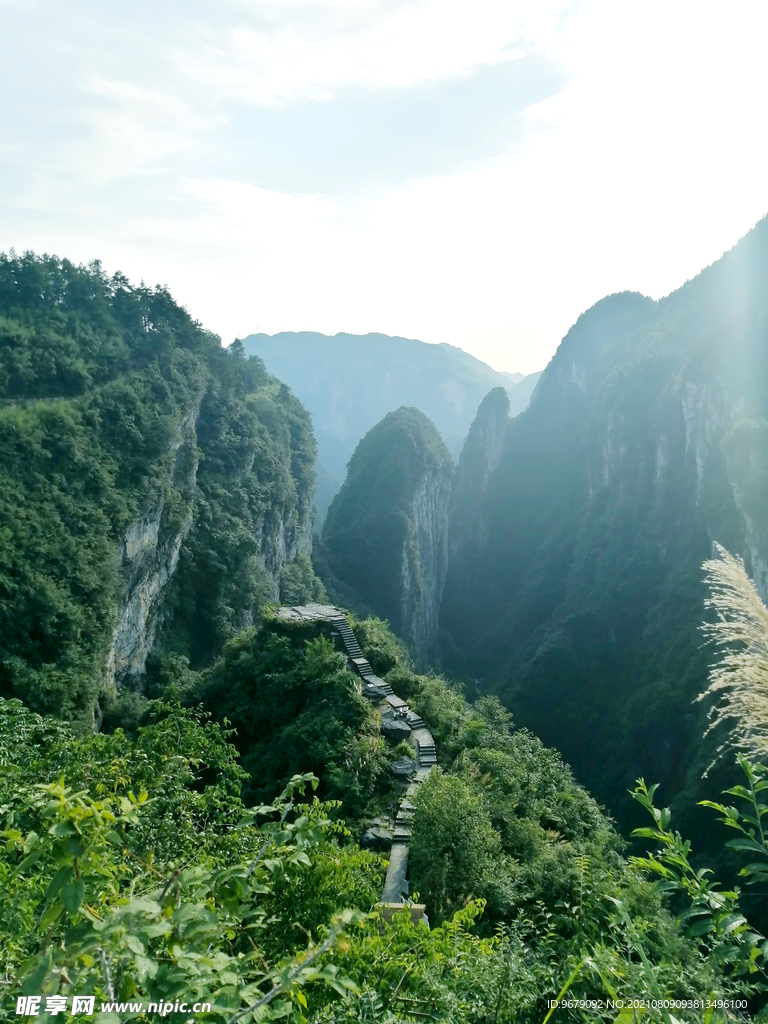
x=471, y=171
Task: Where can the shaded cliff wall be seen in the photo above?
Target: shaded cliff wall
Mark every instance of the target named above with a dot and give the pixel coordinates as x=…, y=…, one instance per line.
x=644, y=443
x=385, y=536
x=196, y=569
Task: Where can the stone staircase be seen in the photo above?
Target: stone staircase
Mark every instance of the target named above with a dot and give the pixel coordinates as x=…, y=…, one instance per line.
x=396, y=889
x=396, y=885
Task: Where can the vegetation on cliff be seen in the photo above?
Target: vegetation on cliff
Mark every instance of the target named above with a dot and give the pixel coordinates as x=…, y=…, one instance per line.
x=115, y=405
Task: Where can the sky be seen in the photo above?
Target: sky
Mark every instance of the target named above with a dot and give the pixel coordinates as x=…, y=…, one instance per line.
x=477, y=172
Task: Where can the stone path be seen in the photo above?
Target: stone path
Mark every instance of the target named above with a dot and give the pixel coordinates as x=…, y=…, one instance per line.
x=379, y=692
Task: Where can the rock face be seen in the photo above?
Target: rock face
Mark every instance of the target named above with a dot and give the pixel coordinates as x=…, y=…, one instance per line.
x=386, y=534
x=183, y=576
x=376, y=838
x=148, y=563
x=468, y=526
x=578, y=528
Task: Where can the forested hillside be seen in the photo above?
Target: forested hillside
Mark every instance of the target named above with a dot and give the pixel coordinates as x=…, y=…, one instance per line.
x=153, y=485
x=574, y=587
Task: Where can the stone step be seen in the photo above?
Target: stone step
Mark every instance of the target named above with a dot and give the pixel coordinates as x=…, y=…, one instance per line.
x=397, y=872
x=363, y=666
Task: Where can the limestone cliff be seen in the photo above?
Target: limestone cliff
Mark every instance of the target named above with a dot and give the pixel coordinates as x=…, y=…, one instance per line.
x=386, y=534
x=149, y=557
x=250, y=517
x=479, y=458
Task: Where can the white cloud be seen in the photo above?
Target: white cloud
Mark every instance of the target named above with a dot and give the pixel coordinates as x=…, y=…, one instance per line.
x=286, y=53
x=642, y=165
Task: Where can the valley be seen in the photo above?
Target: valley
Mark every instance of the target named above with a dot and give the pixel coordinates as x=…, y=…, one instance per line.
x=396, y=761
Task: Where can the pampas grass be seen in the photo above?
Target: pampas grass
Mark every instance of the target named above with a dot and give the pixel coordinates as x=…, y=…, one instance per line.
x=738, y=676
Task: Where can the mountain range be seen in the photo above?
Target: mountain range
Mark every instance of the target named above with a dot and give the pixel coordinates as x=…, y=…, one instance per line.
x=156, y=504
x=577, y=528
x=349, y=382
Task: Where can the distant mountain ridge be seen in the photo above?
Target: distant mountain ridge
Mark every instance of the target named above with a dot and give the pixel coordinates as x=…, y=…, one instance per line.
x=349, y=382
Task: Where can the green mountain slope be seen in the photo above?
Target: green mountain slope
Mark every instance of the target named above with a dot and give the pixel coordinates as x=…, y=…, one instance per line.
x=574, y=588
x=152, y=485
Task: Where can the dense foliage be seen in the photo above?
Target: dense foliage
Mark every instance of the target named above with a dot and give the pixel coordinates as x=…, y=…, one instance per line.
x=135, y=869
x=118, y=412
x=297, y=708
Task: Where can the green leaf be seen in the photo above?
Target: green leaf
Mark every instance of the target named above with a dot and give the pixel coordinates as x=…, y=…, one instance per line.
x=135, y=945
x=730, y=923
x=740, y=791
x=700, y=927
x=33, y=982
x=63, y=829
x=746, y=844
x=647, y=833
x=60, y=879
x=29, y=860
x=758, y=870
x=146, y=966
x=51, y=915
x=72, y=895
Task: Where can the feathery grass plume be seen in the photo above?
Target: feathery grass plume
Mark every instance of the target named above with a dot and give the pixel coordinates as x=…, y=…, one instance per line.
x=738, y=677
